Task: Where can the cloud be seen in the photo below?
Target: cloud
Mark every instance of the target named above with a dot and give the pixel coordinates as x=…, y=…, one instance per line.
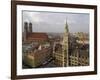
x=55, y=22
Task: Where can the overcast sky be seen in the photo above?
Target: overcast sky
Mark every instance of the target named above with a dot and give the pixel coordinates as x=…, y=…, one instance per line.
x=55, y=22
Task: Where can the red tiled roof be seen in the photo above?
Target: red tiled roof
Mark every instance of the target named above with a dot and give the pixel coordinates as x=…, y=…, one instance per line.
x=37, y=36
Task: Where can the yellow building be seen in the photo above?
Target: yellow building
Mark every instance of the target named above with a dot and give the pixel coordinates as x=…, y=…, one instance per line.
x=38, y=57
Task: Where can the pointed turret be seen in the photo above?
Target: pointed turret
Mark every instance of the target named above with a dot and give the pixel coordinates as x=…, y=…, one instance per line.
x=65, y=46
x=66, y=27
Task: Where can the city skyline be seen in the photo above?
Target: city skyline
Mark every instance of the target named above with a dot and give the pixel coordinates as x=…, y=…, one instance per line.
x=54, y=50
x=55, y=22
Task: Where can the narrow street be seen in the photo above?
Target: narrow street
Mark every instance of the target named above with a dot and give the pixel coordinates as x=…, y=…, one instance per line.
x=49, y=64
x=46, y=64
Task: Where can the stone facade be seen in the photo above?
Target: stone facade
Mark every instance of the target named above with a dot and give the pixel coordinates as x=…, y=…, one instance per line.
x=70, y=52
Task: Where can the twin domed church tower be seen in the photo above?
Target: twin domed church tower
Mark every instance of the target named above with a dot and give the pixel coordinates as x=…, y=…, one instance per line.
x=27, y=29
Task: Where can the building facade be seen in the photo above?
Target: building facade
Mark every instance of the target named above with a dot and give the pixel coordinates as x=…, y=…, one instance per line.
x=36, y=58
x=70, y=52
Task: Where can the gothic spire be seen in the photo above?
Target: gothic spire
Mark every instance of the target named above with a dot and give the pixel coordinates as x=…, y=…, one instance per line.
x=66, y=27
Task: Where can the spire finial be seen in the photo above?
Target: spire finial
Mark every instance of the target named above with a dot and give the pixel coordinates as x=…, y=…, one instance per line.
x=66, y=26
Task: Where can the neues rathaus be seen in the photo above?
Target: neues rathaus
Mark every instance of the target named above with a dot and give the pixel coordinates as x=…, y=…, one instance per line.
x=73, y=50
